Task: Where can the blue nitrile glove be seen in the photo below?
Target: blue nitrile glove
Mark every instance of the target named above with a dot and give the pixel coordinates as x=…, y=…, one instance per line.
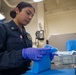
x=51, y=51
x=34, y=54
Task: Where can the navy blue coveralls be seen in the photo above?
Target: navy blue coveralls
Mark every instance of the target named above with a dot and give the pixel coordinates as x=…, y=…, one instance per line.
x=12, y=41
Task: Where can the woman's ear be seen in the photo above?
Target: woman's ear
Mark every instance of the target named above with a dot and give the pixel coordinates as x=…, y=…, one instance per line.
x=16, y=10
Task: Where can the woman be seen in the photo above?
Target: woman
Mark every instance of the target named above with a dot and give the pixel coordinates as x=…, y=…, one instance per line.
x=15, y=43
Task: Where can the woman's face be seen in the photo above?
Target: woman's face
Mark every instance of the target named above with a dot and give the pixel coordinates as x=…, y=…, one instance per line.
x=24, y=16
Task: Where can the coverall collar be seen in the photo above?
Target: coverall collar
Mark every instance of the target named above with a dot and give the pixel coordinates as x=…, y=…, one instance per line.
x=13, y=26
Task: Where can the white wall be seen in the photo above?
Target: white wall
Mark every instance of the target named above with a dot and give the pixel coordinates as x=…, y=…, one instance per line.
x=61, y=22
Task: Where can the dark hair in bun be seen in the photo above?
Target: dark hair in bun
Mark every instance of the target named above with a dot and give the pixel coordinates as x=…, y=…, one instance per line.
x=13, y=14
